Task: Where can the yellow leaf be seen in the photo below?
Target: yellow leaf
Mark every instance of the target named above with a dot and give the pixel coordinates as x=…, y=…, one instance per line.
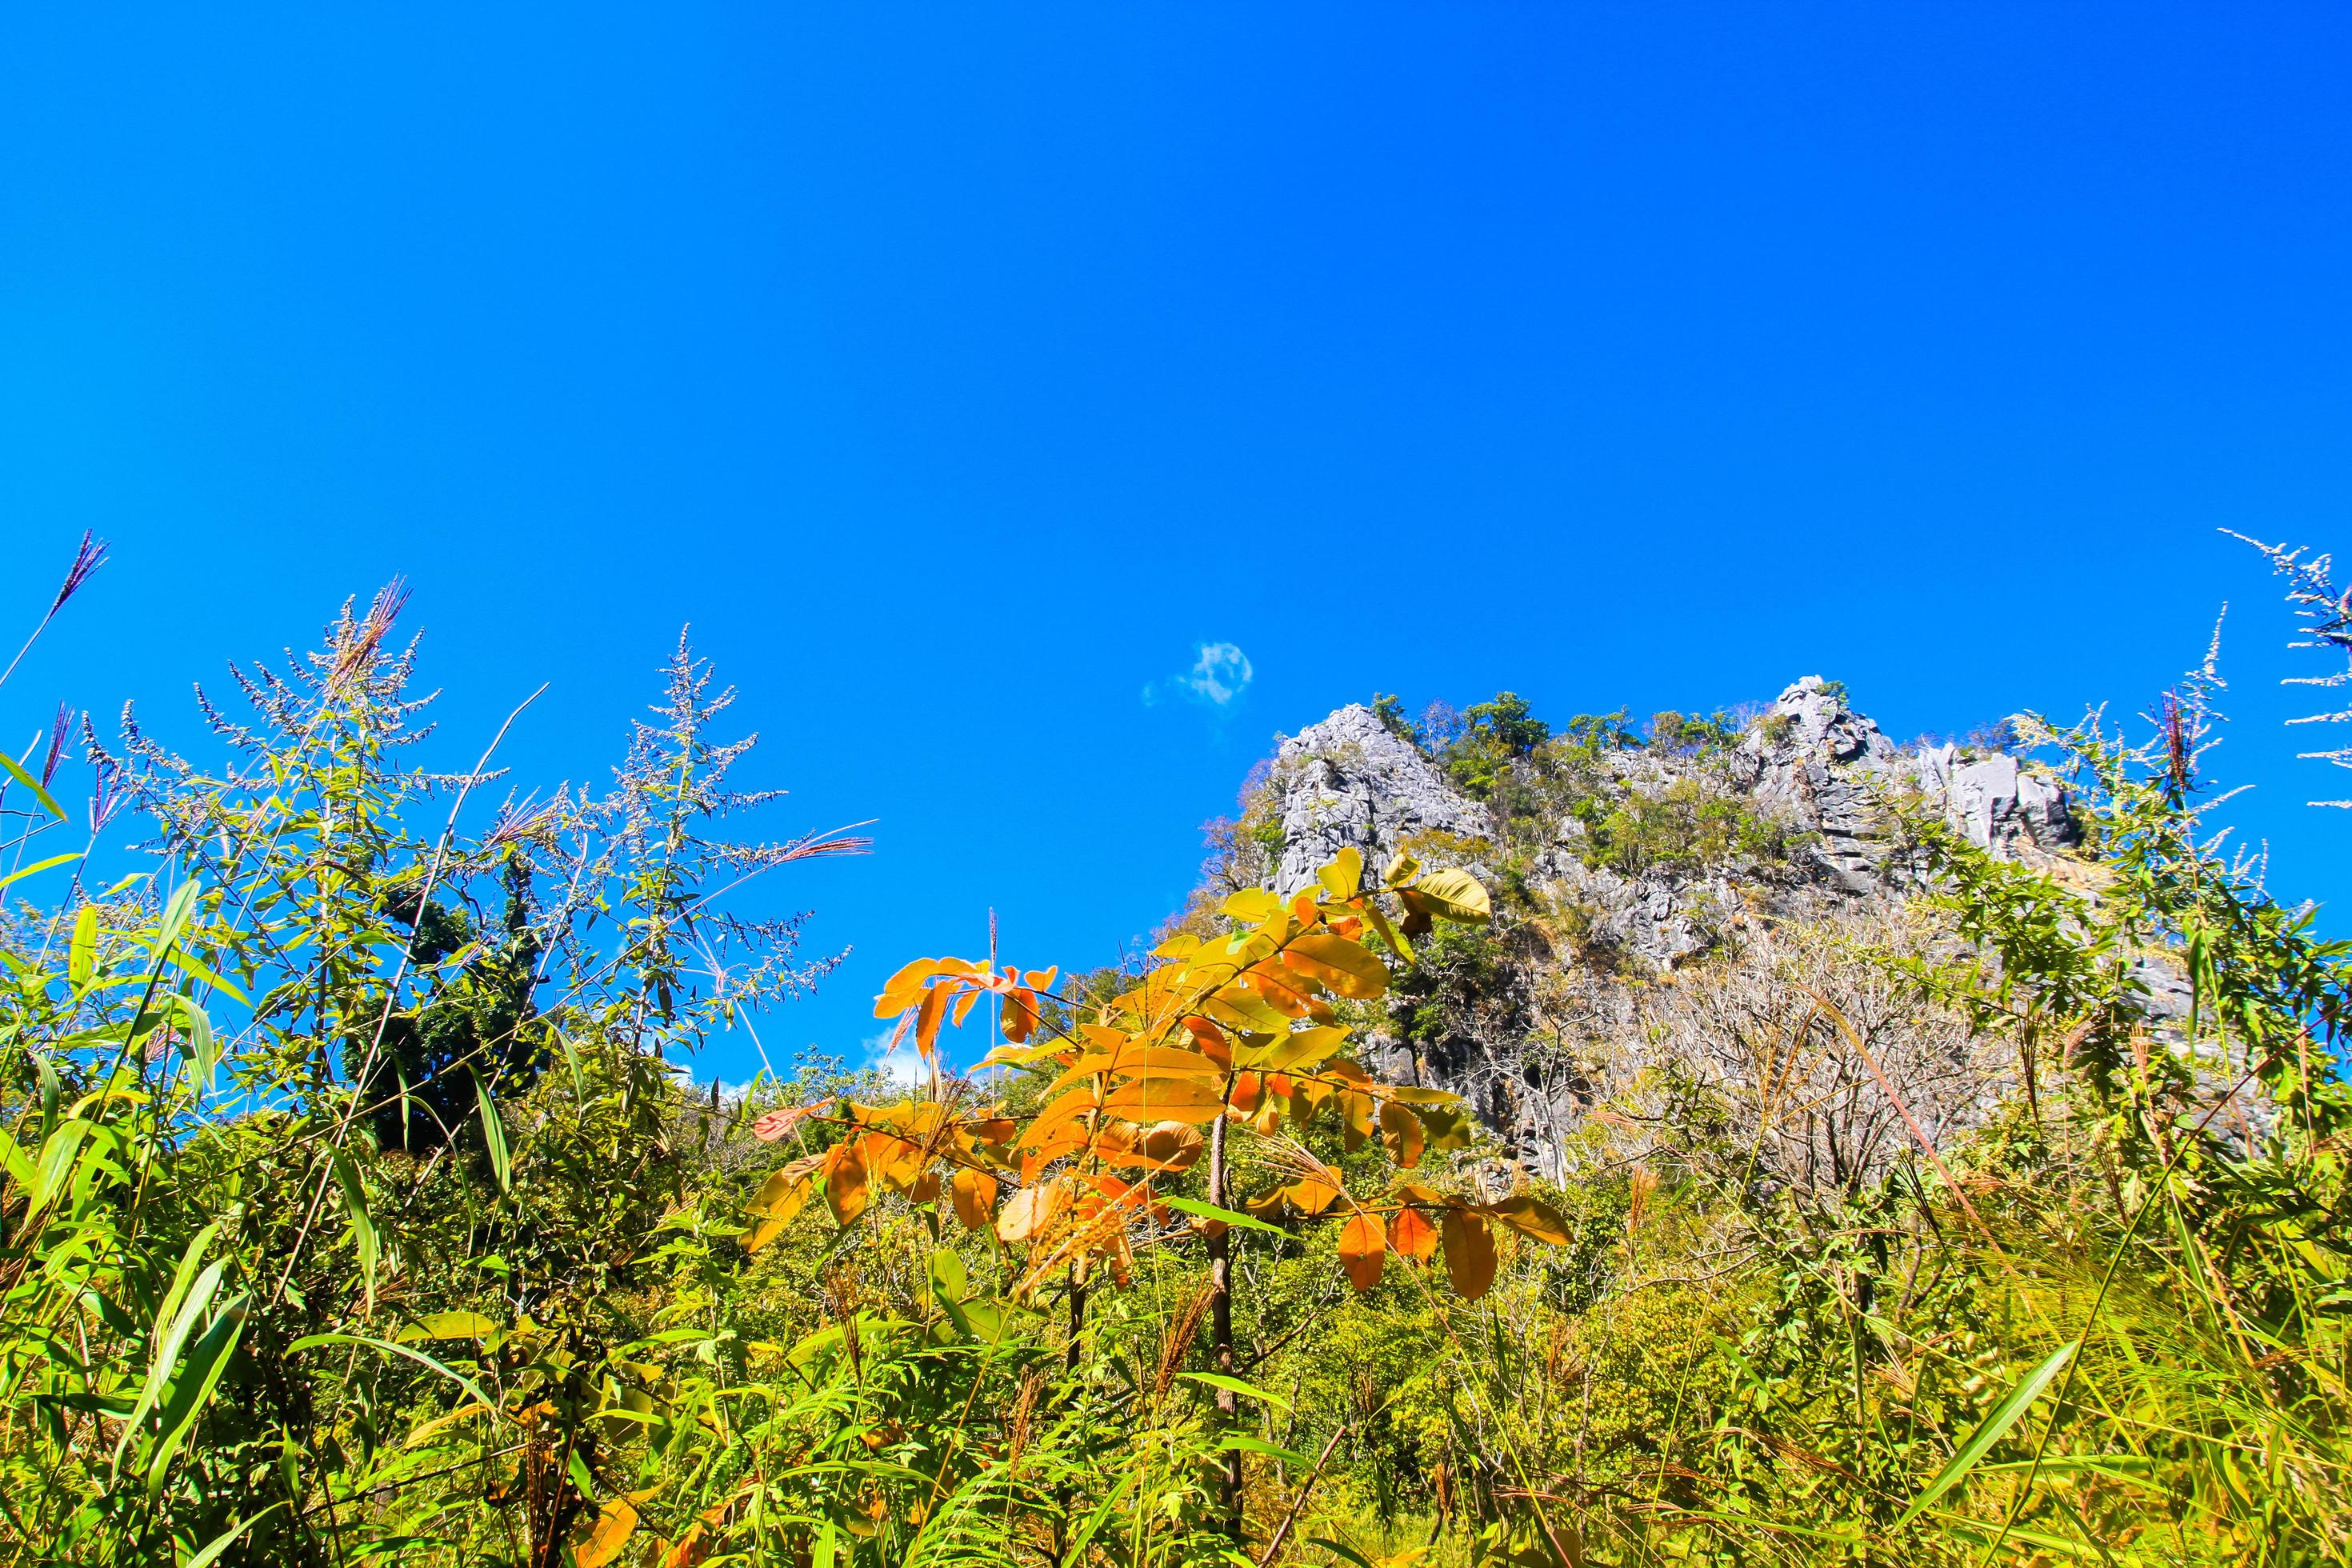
x=1400, y=869
x=450, y=1326
x=1250, y=906
x=1455, y=895
x=1032, y=1210
x=1344, y=877
x=615, y=1522
x=1161, y=1098
x=463, y=1411
x=1347, y=969
x=1362, y=1249
x=1532, y=1218
x=1300, y=1049
x=1469, y=1253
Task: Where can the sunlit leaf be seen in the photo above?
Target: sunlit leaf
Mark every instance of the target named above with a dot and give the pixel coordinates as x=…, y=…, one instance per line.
x=974, y=1196
x=1531, y=1219
x=1401, y=1134
x=1412, y=1235
x=1469, y=1253
x=1363, y=1248
x=1455, y=895
x=1344, y=877
x=1157, y=1099
x=1348, y=968
x=615, y=1522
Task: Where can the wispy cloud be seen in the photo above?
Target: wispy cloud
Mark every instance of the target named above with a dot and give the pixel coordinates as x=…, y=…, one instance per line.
x=1218, y=675
x=903, y=1067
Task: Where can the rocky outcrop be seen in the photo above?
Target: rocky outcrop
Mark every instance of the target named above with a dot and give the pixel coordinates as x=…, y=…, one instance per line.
x=1810, y=762
x=1606, y=911
x=1348, y=782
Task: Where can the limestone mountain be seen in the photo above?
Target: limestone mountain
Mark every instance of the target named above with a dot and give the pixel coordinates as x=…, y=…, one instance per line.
x=1669, y=905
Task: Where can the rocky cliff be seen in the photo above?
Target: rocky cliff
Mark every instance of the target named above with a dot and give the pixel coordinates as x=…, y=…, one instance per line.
x=1709, y=858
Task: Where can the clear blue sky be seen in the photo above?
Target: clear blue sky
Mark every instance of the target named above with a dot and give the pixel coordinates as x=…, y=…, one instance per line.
x=961, y=372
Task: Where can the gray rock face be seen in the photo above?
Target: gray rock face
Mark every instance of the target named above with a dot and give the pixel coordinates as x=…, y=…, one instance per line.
x=1812, y=764
x=1348, y=782
x=1815, y=761
x=1823, y=764
x=1998, y=804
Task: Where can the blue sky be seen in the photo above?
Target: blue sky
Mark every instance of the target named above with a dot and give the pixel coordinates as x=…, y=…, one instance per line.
x=963, y=374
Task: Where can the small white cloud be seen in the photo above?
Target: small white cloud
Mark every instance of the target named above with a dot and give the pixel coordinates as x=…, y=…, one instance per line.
x=903, y=1067
x=1220, y=674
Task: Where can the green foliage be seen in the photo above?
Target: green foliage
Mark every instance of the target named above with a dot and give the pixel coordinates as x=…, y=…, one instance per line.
x=352, y=1210
x=1688, y=826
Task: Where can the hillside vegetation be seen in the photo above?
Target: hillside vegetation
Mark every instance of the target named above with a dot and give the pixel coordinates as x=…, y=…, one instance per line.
x=1630, y=1162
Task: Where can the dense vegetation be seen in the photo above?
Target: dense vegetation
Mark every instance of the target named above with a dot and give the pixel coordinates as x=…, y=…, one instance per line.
x=356, y=1209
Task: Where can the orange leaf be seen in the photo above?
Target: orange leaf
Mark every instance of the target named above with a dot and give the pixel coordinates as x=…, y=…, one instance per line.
x=1469, y=1253
x=1313, y=1194
x=1213, y=1044
x=1401, y=1134
x=1362, y=1249
x=845, y=1191
x=1410, y=1234
x=927, y=1022
x=1284, y=999
x=974, y=1192
x=615, y=1522
x=1020, y=1015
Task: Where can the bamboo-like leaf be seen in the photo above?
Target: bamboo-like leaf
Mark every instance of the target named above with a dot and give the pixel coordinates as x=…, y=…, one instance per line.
x=364, y=1239
x=37, y=866
x=194, y=1387
x=450, y=1325
x=494, y=1134
x=1226, y=1216
x=1236, y=1386
x=228, y=1538
x=82, y=952
x=202, y=1050
x=1995, y=1426
x=17, y=771
x=182, y=1305
x=176, y=910
x=311, y=1342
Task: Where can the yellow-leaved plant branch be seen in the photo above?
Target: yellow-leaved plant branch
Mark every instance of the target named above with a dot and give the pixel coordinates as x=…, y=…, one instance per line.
x=1225, y=1038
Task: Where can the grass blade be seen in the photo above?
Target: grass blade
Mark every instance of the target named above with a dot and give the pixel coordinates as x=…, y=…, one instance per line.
x=1995, y=1427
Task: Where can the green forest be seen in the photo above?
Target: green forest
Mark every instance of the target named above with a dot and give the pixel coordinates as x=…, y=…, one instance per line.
x=361, y=1205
